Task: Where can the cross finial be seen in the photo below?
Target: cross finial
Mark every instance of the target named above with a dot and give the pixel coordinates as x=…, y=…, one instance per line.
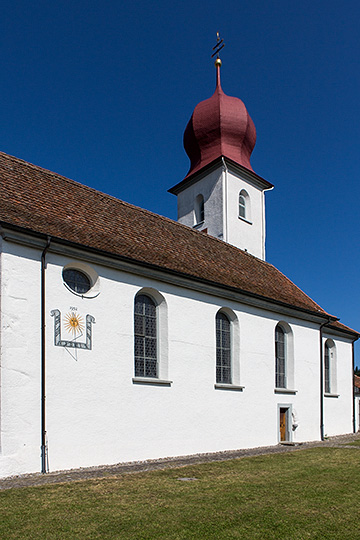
x=219, y=45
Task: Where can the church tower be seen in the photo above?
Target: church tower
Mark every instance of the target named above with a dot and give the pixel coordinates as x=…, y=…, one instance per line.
x=221, y=194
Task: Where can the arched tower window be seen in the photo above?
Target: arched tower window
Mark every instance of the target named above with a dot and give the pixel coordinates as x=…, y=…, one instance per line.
x=145, y=335
x=199, y=209
x=244, y=205
x=223, y=349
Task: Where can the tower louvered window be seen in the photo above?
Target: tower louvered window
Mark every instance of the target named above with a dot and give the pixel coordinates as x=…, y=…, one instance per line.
x=223, y=349
x=280, y=355
x=145, y=330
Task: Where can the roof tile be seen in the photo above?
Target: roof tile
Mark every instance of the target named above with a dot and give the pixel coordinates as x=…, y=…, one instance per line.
x=42, y=201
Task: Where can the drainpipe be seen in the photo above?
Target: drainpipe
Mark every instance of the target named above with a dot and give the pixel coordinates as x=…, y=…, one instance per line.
x=322, y=381
x=263, y=231
x=225, y=203
x=44, y=460
x=353, y=388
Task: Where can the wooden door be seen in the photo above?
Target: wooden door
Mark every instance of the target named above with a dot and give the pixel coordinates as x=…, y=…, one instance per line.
x=283, y=424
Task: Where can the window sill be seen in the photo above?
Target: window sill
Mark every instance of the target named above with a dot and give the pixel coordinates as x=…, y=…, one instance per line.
x=197, y=225
x=151, y=380
x=246, y=220
x=224, y=386
x=329, y=394
x=284, y=391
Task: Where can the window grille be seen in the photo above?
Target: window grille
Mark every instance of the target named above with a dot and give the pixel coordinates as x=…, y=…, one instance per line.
x=280, y=355
x=327, y=368
x=242, y=206
x=223, y=349
x=145, y=346
x=77, y=281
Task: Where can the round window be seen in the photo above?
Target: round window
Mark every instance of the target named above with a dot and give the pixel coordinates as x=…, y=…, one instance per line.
x=76, y=281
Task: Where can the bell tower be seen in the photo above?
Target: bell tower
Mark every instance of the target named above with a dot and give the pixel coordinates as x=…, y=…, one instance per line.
x=221, y=194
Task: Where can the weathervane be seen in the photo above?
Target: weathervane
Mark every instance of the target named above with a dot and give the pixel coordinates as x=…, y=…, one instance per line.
x=219, y=45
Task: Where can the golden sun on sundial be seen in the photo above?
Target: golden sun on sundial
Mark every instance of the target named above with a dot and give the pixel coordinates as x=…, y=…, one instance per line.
x=73, y=323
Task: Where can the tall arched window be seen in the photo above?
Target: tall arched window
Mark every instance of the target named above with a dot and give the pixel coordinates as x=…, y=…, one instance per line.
x=199, y=209
x=280, y=357
x=284, y=357
x=223, y=349
x=145, y=332
x=329, y=367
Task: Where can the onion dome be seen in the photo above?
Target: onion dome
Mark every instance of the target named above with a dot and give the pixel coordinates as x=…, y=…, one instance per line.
x=219, y=126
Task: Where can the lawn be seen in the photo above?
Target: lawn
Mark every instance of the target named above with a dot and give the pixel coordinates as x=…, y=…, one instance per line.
x=307, y=494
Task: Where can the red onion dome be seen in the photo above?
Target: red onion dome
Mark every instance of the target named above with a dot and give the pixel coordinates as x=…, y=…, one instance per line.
x=219, y=126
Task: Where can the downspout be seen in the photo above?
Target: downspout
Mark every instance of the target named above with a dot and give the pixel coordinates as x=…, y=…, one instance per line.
x=44, y=461
x=263, y=230
x=322, y=381
x=225, y=202
x=353, y=387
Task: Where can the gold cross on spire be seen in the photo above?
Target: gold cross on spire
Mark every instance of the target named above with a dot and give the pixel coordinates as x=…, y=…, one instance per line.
x=219, y=45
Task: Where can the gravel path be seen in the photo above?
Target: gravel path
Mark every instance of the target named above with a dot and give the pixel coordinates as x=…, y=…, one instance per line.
x=73, y=475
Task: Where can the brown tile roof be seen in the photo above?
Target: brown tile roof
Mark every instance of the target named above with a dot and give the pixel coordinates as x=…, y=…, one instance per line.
x=47, y=203
x=357, y=381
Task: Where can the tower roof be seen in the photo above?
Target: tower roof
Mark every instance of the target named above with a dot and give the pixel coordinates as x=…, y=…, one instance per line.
x=219, y=126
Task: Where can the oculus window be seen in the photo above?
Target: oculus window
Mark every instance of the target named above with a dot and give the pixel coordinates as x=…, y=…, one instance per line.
x=76, y=280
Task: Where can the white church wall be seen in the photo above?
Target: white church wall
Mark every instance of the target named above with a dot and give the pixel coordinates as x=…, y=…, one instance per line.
x=338, y=404
x=20, y=360
x=96, y=414
x=210, y=187
x=245, y=233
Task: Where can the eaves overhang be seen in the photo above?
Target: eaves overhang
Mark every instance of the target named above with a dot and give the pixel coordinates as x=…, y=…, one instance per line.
x=23, y=236
x=212, y=166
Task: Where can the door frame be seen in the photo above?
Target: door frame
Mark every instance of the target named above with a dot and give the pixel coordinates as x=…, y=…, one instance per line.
x=289, y=431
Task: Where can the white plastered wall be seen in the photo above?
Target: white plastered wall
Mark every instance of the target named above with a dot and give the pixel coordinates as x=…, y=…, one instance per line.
x=96, y=415
x=210, y=187
x=249, y=233
x=338, y=405
x=221, y=189
x=20, y=360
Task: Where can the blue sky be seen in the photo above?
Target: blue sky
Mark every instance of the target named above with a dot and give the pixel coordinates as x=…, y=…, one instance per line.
x=101, y=92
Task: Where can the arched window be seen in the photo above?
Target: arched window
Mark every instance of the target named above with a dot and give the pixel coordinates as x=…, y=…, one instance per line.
x=244, y=205
x=199, y=209
x=145, y=332
x=329, y=367
x=223, y=349
x=284, y=356
x=280, y=357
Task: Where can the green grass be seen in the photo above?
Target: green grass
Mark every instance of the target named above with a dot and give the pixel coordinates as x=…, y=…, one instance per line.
x=307, y=494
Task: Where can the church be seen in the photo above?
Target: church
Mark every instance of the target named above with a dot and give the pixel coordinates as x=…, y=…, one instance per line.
x=128, y=336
